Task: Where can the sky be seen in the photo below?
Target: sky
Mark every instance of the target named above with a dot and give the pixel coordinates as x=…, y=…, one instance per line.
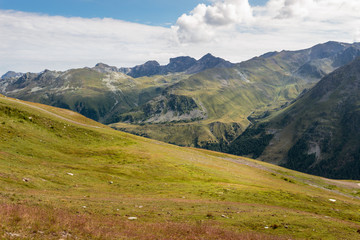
x=63, y=34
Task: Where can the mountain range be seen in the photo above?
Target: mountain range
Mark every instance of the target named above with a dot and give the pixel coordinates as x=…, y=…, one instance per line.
x=207, y=103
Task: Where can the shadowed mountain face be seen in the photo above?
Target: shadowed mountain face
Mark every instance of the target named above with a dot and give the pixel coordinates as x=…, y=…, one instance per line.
x=318, y=134
x=205, y=102
x=180, y=64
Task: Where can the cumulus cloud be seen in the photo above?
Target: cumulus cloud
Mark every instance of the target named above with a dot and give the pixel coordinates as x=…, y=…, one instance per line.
x=231, y=29
x=309, y=20
x=205, y=21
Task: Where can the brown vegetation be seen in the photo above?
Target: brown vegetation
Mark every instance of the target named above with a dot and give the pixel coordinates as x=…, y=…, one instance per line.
x=33, y=222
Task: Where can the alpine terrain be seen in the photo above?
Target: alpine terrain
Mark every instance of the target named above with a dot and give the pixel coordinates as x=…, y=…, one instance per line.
x=318, y=134
x=63, y=176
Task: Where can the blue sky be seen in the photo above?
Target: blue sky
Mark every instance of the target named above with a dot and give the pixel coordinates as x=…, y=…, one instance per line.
x=63, y=34
x=152, y=12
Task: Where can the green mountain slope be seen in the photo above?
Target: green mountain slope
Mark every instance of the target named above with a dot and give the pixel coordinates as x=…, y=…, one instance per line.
x=96, y=93
x=65, y=176
x=228, y=97
x=205, y=102
x=319, y=133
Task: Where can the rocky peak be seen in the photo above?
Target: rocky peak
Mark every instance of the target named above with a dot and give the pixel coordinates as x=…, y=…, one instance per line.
x=104, y=68
x=209, y=61
x=327, y=49
x=11, y=75
x=179, y=64
x=147, y=69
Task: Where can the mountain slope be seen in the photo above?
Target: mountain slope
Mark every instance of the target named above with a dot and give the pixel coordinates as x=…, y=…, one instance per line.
x=205, y=102
x=229, y=97
x=62, y=179
x=319, y=133
x=97, y=93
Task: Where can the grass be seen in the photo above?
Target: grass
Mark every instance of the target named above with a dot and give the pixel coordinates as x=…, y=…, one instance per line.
x=227, y=99
x=59, y=179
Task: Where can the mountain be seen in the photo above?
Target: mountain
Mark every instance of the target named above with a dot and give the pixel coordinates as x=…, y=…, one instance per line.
x=65, y=176
x=229, y=97
x=208, y=61
x=179, y=64
x=318, y=134
x=10, y=75
x=203, y=103
x=98, y=93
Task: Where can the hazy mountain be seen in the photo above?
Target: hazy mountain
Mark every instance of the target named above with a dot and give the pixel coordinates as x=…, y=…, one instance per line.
x=10, y=75
x=179, y=64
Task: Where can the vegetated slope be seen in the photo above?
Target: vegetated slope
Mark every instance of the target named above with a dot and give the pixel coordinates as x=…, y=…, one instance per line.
x=318, y=134
x=104, y=92
x=97, y=93
x=80, y=179
x=226, y=98
x=206, y=102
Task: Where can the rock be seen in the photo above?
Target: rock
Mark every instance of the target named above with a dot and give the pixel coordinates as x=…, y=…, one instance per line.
x=13, y=234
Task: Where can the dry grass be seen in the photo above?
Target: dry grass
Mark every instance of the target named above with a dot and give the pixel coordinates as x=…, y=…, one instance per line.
x=33, y=222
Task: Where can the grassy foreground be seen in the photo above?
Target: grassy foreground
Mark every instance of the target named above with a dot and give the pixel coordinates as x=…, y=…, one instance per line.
x=63, y=176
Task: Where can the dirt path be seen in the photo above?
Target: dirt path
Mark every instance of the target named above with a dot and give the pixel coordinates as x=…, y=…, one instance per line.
x=50, y=113
x=308, y=182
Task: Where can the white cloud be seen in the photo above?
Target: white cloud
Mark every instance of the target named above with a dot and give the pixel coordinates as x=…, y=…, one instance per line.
x=33, y=42
x=231, y=29
x=279, y=24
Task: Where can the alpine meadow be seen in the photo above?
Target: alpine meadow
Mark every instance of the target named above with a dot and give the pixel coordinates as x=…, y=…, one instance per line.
x=221, y=119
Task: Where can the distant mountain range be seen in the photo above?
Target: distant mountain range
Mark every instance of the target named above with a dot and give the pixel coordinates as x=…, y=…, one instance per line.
x=206, y=103
x=187, y=65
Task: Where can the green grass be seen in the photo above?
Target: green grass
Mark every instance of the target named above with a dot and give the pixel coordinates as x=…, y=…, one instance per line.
x=59, y=178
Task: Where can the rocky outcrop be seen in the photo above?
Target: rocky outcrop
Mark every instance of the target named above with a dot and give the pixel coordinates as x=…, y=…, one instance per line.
x=208, y=61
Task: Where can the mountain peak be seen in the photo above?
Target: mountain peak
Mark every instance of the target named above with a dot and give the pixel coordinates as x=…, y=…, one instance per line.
x=11, y=74
x=104, y=68
x=209, y=61
x=208, y=55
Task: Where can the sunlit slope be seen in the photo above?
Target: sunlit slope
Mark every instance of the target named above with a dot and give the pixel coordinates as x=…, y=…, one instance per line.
x=79, y=179
x=101, y=96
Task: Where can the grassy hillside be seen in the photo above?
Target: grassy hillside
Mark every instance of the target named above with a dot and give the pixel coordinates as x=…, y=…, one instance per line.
x=65, y=176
